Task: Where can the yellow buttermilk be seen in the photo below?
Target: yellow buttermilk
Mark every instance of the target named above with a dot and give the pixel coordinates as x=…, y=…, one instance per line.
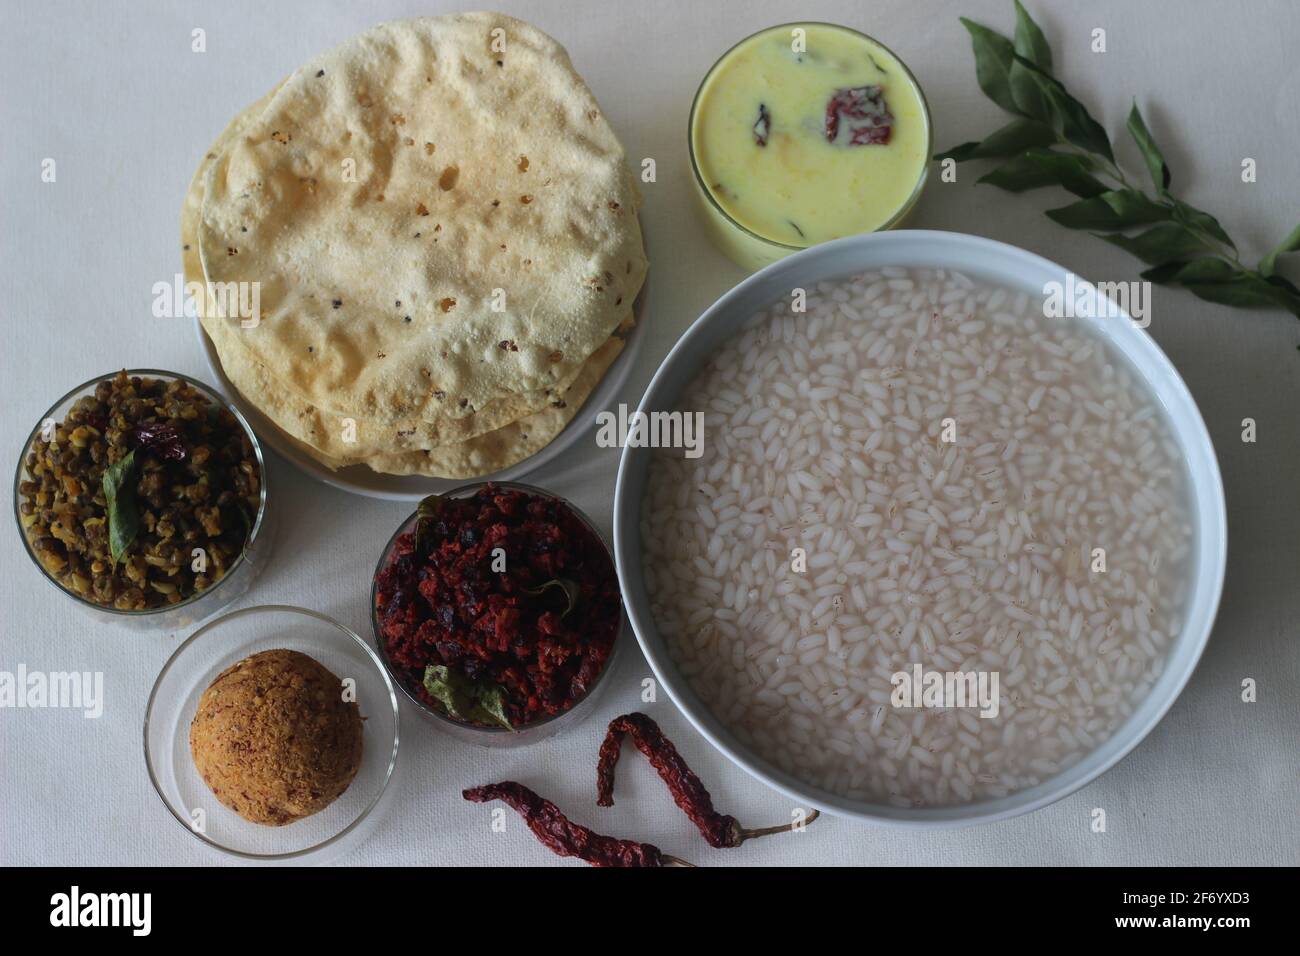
x=799, y=188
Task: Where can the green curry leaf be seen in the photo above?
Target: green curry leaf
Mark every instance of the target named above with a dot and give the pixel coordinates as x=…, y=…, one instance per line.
x=1035, y=168
x=119, y=500
x=1019, y=134
x=1068, y=116
x=1162, y=243
x=1030, y=42
x=993, y=58
x=429, y=506
x=1290, y=244
x=570, y=588
x=1207, y=269
x=427, y=509
x=1201, y=222
x=451, y=689
x=491, y=706
x=466, y=700
x=1027, y=92
x=1248, y=289
x=1114, y=209
x=1151, y=154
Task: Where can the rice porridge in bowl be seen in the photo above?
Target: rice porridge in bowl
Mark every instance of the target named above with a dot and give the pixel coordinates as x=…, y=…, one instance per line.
x=936, y=547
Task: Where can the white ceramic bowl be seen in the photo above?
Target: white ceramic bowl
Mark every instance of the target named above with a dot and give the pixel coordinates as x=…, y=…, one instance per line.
x=1005, y=265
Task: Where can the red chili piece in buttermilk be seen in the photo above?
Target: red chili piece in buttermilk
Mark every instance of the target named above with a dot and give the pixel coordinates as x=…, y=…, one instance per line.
x=858, y=116
x=566, y=838
x=439, y=600
x=720, y=830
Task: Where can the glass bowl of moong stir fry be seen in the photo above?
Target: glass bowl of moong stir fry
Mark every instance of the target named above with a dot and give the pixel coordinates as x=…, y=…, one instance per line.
x=141, y=495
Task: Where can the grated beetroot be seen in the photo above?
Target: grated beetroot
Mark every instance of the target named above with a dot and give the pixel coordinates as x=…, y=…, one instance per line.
x=439, y=601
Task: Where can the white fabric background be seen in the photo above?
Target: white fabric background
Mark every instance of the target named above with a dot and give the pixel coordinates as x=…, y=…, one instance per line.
x=113, y=93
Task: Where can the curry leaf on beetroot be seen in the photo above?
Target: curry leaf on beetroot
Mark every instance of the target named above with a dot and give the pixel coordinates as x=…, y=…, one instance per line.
x=119, y=501
x=427, y=510
x=466, y=700
x=1151, y=154
x=570, y=589
x=491, y=706
x=430, y=505
x=451, y=689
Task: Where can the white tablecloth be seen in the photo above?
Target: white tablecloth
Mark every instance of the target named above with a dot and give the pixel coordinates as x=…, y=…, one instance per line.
x=113, y=93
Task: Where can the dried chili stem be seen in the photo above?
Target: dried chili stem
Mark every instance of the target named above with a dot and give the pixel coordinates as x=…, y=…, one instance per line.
x=783, y=828
x=720, y=830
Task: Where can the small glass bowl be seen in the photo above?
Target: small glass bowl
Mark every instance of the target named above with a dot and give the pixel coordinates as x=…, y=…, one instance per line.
x=498, y=736
x=202, y=605
x=751, y=250
x=193, y=667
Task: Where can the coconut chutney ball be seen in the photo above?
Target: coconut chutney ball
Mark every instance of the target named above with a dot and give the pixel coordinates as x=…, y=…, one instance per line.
x=274, y=739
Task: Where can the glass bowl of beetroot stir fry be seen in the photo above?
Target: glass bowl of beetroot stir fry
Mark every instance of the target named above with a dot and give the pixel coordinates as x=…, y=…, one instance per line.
x=497, y=610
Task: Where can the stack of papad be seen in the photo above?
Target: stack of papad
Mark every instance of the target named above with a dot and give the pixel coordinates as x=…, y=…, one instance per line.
x=444, y=236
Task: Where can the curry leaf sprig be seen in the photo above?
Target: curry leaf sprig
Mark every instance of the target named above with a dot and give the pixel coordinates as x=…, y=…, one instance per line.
x=1054, y=141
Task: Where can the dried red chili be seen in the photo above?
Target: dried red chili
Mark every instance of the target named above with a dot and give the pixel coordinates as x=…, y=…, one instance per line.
x=720, y=830
x=566, y=838
x=162, y=438
x=863, y=113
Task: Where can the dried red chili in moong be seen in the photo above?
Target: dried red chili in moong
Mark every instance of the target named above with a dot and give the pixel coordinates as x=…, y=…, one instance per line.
x=720, y=830
x=566, y=838
x=162, y=439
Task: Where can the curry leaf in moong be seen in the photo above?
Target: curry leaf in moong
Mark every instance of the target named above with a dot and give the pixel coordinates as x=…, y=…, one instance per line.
x=1054, y=141
x=119, y=501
